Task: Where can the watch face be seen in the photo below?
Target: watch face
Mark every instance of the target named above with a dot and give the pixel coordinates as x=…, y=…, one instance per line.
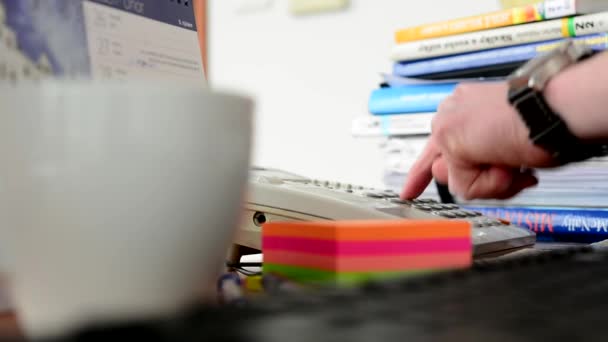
x=537, y=72
x=522, y=76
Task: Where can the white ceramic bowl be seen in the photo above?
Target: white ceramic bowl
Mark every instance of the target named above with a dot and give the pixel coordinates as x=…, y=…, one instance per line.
x=118, y=201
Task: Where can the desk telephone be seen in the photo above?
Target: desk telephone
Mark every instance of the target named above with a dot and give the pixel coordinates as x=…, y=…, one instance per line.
x=276, y=195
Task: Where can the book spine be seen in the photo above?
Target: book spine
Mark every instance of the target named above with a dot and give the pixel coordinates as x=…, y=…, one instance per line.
x=392, y=125
x=507, y=17
x=502, y=37
x=497, y=56
x=408, y=99
x=554, y=224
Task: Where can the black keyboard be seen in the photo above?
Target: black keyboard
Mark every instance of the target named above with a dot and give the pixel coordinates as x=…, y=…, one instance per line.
x=556, y=295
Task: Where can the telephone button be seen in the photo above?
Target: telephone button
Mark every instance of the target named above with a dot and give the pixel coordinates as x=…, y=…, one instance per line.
x=460, y=213
x=470, y=213
x=374, y=195
x=422, y=207
x=447, y=214
x=400, y=201
x=436, y=206
x=390, y=195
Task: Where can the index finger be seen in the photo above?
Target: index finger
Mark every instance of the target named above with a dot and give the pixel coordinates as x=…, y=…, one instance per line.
x=421, y=173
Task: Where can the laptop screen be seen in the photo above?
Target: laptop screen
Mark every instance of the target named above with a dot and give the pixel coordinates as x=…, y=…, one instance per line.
x=101, y=39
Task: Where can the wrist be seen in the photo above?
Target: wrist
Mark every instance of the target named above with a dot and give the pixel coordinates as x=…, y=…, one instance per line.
x=556, y=95
x=579, y=97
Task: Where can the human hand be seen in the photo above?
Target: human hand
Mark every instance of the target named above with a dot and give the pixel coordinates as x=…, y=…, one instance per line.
x=479, y=147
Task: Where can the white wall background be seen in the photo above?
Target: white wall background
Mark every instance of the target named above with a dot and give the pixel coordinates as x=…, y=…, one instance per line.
x=310, y=76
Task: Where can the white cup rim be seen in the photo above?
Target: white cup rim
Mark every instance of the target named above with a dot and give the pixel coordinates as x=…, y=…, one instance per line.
x=87, y=87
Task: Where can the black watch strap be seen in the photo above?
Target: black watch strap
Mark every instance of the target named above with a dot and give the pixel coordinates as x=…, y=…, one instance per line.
x=549, y=131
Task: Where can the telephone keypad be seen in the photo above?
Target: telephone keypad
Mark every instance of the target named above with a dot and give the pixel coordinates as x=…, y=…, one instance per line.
x=446, y=210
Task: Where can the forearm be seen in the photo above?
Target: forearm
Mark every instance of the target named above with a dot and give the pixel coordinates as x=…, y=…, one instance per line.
x=580, y=96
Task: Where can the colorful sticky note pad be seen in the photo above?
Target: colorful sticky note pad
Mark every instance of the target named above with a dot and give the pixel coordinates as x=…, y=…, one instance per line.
x=349, y=252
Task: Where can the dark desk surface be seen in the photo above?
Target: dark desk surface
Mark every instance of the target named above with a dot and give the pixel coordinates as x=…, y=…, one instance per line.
x=9, y=327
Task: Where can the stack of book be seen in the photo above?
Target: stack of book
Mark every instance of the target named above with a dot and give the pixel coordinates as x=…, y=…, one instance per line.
x=430, y=60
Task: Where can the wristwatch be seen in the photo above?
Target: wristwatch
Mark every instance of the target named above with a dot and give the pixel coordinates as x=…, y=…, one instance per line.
x=546, y=127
